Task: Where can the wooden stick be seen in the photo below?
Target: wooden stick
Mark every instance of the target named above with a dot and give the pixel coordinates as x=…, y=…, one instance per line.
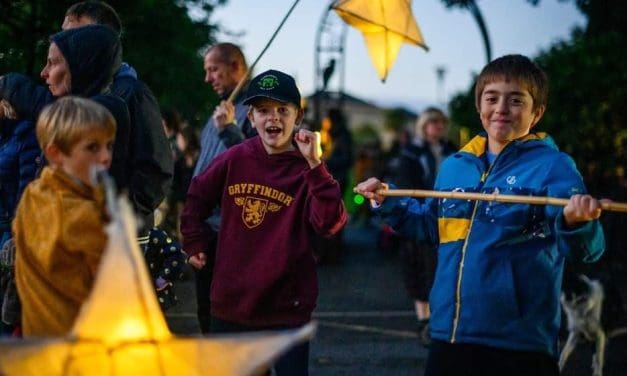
x=533, y=200
x=244, y=79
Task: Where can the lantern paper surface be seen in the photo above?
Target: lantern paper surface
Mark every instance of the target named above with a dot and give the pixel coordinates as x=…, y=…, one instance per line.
x=121, y=330
x=385, y=26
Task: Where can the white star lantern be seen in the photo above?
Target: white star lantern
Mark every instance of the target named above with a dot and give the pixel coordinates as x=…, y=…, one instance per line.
x=121, y=330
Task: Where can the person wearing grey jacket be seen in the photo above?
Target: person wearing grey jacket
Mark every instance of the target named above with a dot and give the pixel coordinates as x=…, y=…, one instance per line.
x=225, y=66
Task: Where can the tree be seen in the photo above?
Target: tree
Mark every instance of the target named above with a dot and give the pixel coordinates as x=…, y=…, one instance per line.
x=586, y=112
x=473, y=8
x=396, y=119
x=160, y=39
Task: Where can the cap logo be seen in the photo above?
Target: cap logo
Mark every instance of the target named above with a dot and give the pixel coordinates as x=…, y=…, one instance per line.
x=268, y=82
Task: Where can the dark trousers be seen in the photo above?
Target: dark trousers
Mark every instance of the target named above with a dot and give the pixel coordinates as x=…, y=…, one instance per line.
x=203, y=286
x=418, y=263
x=446, y=359
x=203, y=303
x=295, y=362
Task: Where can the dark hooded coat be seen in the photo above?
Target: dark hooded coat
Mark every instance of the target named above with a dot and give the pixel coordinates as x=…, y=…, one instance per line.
x=93, y=54
x=19, y=156
x=151, y=165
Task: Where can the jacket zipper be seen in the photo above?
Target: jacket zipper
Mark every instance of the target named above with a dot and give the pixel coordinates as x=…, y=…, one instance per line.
x=458, y=290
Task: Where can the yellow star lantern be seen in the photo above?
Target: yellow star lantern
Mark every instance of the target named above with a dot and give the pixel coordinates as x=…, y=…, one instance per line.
x=385, y=25
x=121, y=330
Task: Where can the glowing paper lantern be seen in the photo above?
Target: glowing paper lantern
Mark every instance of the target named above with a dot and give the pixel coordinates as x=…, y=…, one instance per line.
x=121, y=330
x=385, y=26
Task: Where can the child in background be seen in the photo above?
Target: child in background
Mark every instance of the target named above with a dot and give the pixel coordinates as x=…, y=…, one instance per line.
x=495, y=300
x=415, y=167
x=189, y=144
x=59, y=223
x=275, y=194
x=19, y=161
x=19, y=153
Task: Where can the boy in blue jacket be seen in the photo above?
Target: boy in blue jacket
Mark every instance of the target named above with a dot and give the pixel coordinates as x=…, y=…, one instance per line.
x=495, y=299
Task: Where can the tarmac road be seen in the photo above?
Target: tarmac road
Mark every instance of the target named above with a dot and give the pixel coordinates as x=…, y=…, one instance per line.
x=367, y=325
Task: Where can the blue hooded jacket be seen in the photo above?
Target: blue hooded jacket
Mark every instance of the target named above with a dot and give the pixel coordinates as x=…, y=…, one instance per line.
x=500, y=265
x=19, y=160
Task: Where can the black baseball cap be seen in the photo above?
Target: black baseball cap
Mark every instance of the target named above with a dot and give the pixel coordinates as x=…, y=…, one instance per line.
x=274, y=85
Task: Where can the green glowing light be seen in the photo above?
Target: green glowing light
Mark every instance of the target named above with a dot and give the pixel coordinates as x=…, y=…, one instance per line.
x=359, y=199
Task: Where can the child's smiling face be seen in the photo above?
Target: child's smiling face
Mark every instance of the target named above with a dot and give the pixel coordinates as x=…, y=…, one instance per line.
x=275, y=122
x=507, y=113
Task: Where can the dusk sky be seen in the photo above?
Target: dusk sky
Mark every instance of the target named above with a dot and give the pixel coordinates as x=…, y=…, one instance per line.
x=452, y=35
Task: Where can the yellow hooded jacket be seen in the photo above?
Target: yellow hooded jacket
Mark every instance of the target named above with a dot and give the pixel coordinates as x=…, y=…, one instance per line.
x=59, y=237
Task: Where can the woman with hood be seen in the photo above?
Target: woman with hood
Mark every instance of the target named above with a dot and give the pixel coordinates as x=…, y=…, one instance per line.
x=81, y=62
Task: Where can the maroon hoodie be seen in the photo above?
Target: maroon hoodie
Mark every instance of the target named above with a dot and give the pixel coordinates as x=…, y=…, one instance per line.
x=271, y=206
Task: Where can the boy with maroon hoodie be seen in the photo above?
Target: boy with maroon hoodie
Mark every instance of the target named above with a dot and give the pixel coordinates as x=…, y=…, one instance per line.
x=274, y=193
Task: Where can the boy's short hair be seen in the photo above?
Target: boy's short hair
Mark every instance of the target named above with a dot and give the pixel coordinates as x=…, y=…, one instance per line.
x=518, y=68
x=65, y=121
x=99, y=11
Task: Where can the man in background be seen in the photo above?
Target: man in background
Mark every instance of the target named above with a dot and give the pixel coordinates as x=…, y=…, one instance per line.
x=225, y=66
x=150, y=164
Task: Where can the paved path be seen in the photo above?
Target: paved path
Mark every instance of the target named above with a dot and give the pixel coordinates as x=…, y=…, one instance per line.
x=367, y=323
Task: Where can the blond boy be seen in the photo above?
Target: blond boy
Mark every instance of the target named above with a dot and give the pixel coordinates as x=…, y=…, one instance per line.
x=59, y=224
